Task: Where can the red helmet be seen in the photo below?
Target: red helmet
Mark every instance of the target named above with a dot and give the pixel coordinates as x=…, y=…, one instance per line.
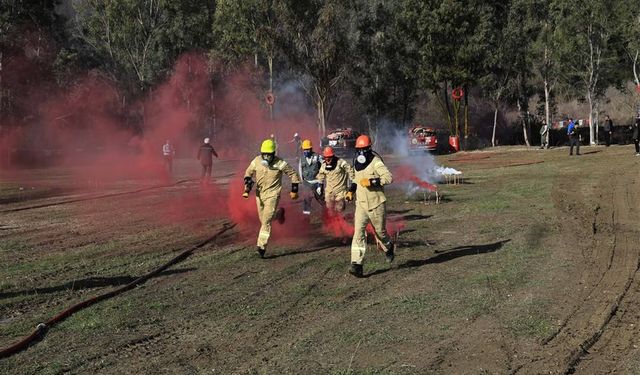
x=363, y=141
x=328, y=152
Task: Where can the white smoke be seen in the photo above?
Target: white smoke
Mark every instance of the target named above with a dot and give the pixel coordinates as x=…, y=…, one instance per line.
x=394, y=140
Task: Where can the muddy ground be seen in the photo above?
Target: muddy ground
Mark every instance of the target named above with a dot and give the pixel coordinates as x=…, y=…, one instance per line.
x=527, y=267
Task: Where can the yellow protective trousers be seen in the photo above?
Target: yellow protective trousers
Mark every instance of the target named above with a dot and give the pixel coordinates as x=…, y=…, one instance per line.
x=266, y=211
x=378, y=219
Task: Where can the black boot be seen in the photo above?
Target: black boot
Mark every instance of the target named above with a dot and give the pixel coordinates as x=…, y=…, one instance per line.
x=356, y=270
x=261, y=252
x=390, y=253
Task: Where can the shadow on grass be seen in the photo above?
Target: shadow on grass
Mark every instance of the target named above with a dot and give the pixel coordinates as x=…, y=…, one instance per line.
x=416, y=217
x=447, y=255
x=88, y=283
x=330, y=243
x=591, y=152
x=397, y=212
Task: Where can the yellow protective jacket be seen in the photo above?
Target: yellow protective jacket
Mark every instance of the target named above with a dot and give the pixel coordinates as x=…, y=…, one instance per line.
x=371, y=197
x=269, y=177
x=336, y=179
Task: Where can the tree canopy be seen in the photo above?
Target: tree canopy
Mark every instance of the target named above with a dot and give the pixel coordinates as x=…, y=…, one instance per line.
x=384, y=58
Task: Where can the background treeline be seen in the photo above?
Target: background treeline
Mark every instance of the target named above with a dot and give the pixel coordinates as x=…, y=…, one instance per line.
x=361, y=63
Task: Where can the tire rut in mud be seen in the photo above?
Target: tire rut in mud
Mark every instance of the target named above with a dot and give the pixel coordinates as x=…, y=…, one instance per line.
x=609, y=273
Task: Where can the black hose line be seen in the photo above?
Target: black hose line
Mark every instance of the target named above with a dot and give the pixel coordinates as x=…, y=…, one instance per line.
x=42, y=328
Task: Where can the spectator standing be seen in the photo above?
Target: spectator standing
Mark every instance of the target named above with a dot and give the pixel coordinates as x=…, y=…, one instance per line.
x=297, y=145
x=574, y=139
x=205, y=155
x=608, y=130
x=167, y=154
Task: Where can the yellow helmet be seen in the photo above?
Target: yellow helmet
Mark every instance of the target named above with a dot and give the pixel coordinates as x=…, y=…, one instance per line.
x=306, y=145
x=268, y=146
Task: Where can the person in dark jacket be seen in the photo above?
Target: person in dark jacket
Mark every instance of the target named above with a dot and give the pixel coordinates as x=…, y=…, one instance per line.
x=635, y=135
x=574, y=139
x=205, y=155
x=308, y=167
x=608, y=129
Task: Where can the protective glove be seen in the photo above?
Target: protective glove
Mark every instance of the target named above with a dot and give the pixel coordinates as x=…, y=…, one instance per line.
x=293, y=195
x=248, y=184
x=367, y=182
x=319, y=189
x=349, y=196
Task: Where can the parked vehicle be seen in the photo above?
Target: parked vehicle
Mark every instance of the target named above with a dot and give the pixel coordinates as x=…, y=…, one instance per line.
x=422, y=139
x=342, y=140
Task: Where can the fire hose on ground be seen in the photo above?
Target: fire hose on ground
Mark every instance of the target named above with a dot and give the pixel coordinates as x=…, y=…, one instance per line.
x=42, y=328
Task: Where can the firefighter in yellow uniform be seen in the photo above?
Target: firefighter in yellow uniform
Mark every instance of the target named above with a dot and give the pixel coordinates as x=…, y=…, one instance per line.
x=335, y=174
x=268, y=170
x=371, y=175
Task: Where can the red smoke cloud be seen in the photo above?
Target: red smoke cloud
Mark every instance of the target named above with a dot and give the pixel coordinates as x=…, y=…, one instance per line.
x=336, y=225
x=100, y=135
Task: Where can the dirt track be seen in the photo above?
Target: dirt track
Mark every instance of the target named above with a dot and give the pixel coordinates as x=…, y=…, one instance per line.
x=545, y=285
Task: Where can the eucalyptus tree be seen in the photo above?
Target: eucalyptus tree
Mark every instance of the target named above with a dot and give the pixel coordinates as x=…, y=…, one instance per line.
x=245, y=28
x=453, y=39
x=545, y=55
x=500, y=70
x=138, y=40
x=628, y=14
x=31, y=33
x=382, y=75
x=586, y=33
x=313, y=36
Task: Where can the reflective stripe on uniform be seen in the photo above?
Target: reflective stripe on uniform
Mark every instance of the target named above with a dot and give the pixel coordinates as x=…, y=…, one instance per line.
x=359, y=248
x=264, y=234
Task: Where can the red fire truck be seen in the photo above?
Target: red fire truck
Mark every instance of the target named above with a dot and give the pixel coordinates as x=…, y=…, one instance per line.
x=422, y=139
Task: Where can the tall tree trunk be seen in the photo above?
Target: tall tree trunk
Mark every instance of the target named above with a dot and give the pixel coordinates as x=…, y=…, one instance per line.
x=596, y=110
x=447, y=106
x=635, y=69
x=547, y=110
x=591, y=106
x=456, y=117
x=524, y=124
x=495, y=123
x=270, y=63
x=466, y=119
x=321, y=117
x=445, y=113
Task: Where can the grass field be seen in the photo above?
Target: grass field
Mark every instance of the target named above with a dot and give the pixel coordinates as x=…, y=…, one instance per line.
x=494, y=279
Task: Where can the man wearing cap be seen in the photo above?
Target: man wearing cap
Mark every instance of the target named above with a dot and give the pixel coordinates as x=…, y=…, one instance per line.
x=205, y=155
x=268, y=169
x=308, y=167
x=371, y=175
